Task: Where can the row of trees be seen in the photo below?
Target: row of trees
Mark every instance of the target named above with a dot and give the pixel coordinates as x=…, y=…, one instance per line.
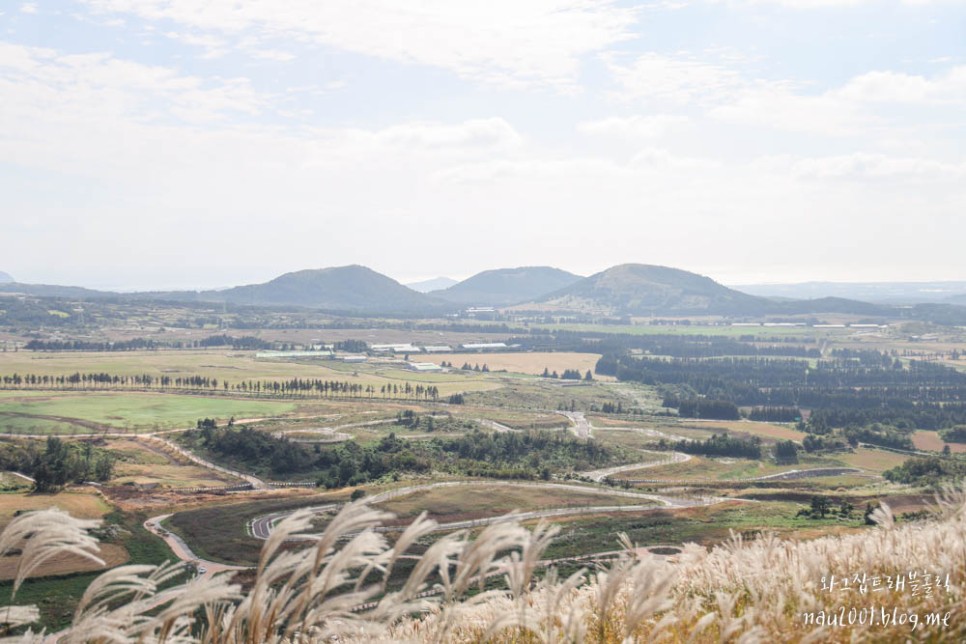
x=717, y=445
x=291, y=387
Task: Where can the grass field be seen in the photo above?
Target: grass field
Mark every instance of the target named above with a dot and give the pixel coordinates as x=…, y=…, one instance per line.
x=81, y=504
x=702, y=525
x=723, y=469
x=143, y=463
x=460, y=503
x=930, y=441
x=767, y=431
x=84, y=505
x=626, y=438
x=226, y=365
x=527, y=363
x=698, y=329
x=75, y=412
x=539, y=394
x=218, y=532
x=875, y=460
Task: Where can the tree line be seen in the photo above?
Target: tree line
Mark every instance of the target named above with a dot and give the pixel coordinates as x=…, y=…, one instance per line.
x=304, y=387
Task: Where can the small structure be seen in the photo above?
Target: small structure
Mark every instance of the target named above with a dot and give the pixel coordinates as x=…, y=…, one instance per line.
x=423, y=366
x=484, y=346
x=354, y=359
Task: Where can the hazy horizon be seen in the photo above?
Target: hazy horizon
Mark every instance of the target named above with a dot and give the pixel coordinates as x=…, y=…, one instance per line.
x=406, y=281
x=148, y=144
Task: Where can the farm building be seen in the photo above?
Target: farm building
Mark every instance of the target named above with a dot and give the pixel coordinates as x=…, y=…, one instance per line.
x=394, y=348
x=443, y=348
x=354, y=359
x=484, y=346
x=423, y=366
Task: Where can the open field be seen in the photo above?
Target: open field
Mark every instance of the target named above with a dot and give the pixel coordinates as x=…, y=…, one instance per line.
x=144, y=463
x=723, y=469
x=627, y=438
x=766, y=431
x=930, y=441
x=218, y=531
x=65, y=563
x=464, y=502
x=875, y=460
x=84, y=504
x=227, y=366
x=76, y=412
x=702, y=525
x=80, y=504
x=700, y=329
x=541, y=394
x=532, y=363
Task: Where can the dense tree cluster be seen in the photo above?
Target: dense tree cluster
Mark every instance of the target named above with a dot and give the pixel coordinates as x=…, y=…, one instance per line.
x=704, y=408
x=928, y=470
x=717, y=445
x=59, y=463
x=512, y=455
x=856, y=388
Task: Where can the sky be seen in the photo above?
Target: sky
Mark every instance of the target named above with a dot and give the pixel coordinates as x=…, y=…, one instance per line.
x=185, y=144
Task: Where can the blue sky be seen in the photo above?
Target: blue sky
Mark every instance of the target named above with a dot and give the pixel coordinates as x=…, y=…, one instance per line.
x=171, y=143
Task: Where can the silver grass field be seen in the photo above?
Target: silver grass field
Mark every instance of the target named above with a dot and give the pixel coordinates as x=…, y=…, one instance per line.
x=763, y=590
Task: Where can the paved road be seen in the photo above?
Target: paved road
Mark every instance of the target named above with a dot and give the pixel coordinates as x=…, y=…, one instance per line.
x=262, y=526
x=665, y=458
x=582, y=427
x=495, y=426
x=181, y=549
x=255, y=482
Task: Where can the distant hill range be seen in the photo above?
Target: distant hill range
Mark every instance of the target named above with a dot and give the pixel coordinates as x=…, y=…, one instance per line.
x=435, y=284
x=625, y=290
x=346, y=288
x=646, y=290
x=506, y=286
x=5, y=278
x=881, y=292
x=641, y=289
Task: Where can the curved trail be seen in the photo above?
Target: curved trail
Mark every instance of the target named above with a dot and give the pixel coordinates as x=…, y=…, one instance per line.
x=181, y=549
x=665, y=459
x=330, y=434
x=261, y=527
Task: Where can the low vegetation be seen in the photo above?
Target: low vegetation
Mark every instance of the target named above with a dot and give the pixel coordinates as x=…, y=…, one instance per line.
x=336, y=588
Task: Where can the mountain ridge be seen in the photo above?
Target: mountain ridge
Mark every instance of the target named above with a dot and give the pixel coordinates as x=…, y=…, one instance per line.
x=507, y=286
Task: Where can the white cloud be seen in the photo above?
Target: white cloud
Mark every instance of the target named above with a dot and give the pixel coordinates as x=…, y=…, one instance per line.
x=505, y=42
x=100, y=86
x=676, y=80
x=637, y=126
x=896, y=87
x=864, y=166
x=28, y=7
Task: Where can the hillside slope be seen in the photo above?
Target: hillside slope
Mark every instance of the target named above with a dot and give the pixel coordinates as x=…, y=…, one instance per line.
x=504, y=286
x=345, y=288
x=642, y=289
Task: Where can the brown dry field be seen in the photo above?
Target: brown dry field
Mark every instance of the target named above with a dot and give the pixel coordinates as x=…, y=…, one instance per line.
x=80, y=503
x=764, y=430
x=470, y=502
x=875, y=460
x=527, y=363
x=930, y=441
x=142, y=463
x=66, y=563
